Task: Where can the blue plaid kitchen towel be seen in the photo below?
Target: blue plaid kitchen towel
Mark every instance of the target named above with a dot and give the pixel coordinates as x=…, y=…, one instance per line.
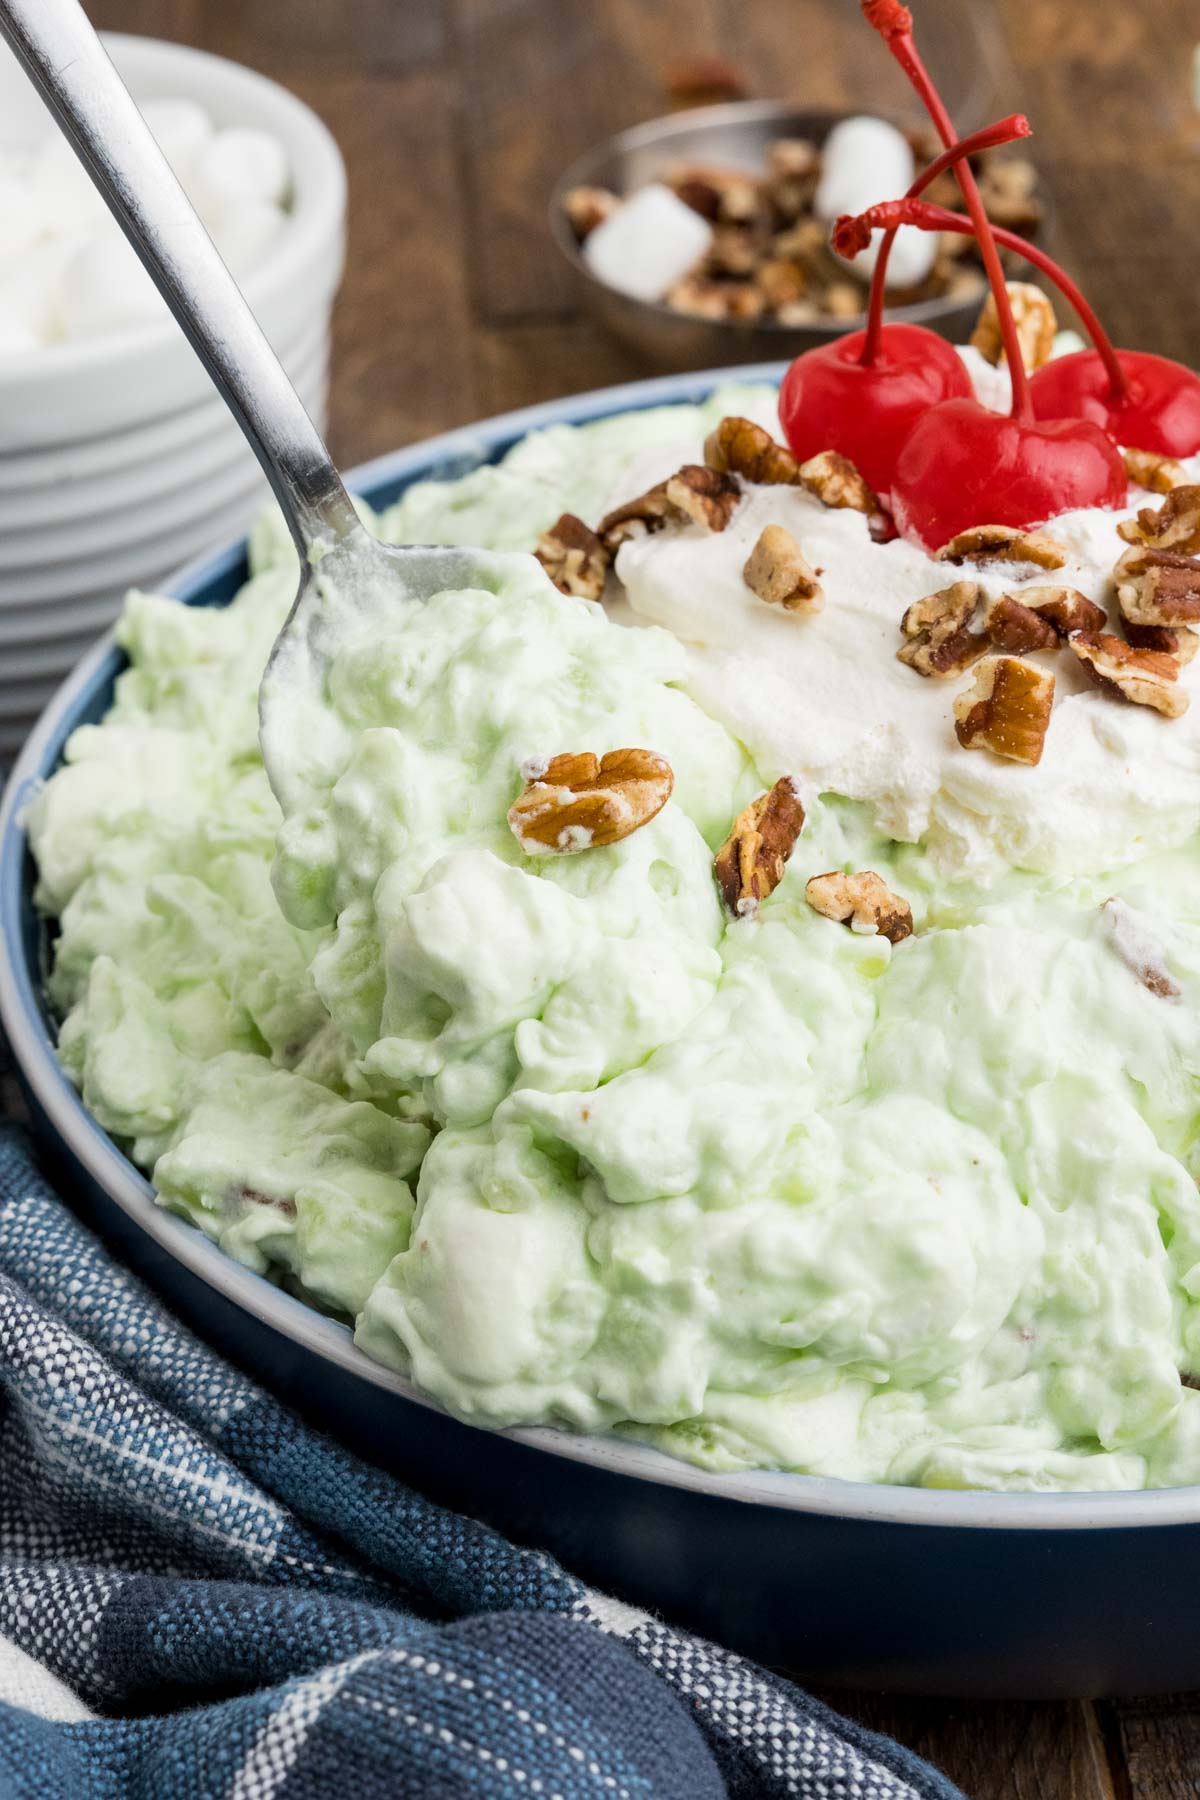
x=201, y=1597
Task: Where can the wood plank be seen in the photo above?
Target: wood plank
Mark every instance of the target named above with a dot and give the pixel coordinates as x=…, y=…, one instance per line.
x=402, y=331
x=367, y=35
x=175, y=19
x=518, y=365
x=996, y=1750
x=1160, y=1741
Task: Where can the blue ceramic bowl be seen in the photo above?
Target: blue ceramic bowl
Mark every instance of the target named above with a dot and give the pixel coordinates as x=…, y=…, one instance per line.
x=952, y=1593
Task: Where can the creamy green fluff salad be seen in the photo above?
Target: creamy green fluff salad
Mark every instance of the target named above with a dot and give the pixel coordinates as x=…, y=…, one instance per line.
x=566, y=1140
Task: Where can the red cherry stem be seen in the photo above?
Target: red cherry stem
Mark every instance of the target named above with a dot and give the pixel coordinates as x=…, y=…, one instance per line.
x=894, y=23
x=851, y=235
x=1004, y=131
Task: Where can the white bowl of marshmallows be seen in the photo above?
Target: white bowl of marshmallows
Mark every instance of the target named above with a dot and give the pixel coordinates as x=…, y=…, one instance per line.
x=118, y=463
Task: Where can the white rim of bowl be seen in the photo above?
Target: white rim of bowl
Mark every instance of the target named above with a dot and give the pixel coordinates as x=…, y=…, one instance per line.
x=21, y=1018
x=321, y=204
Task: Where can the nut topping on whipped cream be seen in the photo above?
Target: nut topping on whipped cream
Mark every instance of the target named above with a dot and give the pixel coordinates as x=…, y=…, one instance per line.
x=938, y=630
x=738, y=446
x=707, y=496
x=574, y=558
x=1004, y=543
x=1175, y=525
x=1146, y=468
x=1158, y=587
x=862, y=901
x=1034, y=318
x=1006, y=709
x=778, y=573
x=578, y=801
x=1182, y=645
x=1065, y=608
x=750, y=863
x=1143, y=677
x=1017, y=629
x=833, y=479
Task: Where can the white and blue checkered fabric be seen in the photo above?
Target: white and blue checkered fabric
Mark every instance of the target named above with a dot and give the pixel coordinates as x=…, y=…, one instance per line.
x=201, y=1597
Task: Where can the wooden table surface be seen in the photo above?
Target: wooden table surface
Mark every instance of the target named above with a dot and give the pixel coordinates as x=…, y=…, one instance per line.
x=455, y=116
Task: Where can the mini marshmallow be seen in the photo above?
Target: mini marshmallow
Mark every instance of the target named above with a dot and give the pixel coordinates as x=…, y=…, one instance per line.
x=648, y=244
x=20, y=224
x=865, y=161
x=66, y=201
x=29, y=289
x=182, y=129
x=105, y=288
x=246, y=233
x=238, y=165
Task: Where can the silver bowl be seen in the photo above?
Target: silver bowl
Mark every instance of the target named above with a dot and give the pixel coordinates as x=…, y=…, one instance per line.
x=737, y=136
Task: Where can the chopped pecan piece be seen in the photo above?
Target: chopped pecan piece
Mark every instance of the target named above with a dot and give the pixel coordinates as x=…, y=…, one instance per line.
x=707, y=496
x=1017, y=629
x=1158, y=587
x=836, y=482
x=750, y=863
x=1003, y=543
x=735, y=250
x=579, y=801
x=740, y=447
x=1181, y=645
x=938, y=629
x=1066, y=609
x=587, y=207
x=1175, y=525
x=1146, y=468
x=573, y=557
x=1138, y=950
x=777, y=572
x=1036, y=325
x=783, y=283
x=1143, y=677
x=1006, y=709
x=864, y=902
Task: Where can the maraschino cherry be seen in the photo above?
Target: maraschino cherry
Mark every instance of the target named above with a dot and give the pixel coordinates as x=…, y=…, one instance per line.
x=961, y=464
x=1158, y=407
x=863, y=392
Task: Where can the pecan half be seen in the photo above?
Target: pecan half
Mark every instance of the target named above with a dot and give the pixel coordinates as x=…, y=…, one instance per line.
x=578, y=801
x=863, y=901
x=750, y=863
x=740, y=447
x=1034, y=318
x=777, y=572
x=587, y=207
x=1006, y=709
x=938, y=629
x=1066, y=609
x=706, y=496
x=1175, y=525
x=1017, y=629
x=573, y=557
x=1003, y=543
x=836, y=482
x=1141, y=953
x=1143, y=677
x=1158, y=587
x=1180, y=645
x=1146, y=468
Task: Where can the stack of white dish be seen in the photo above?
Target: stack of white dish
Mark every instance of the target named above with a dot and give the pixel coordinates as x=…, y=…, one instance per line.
x=118, y=463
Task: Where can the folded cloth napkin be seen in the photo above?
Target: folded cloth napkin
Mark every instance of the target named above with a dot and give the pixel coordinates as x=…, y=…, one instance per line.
x=200, y=1596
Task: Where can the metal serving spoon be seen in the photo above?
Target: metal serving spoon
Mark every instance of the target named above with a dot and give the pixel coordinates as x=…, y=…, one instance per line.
x=341, y=564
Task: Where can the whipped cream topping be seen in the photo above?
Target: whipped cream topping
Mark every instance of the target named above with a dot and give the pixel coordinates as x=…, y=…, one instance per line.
x=824, y=698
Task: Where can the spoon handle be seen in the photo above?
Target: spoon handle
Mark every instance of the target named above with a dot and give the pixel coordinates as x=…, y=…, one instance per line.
x=70, y=67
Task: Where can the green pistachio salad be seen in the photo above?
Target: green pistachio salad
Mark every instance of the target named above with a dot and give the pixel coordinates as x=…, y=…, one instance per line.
x=813, y=1085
